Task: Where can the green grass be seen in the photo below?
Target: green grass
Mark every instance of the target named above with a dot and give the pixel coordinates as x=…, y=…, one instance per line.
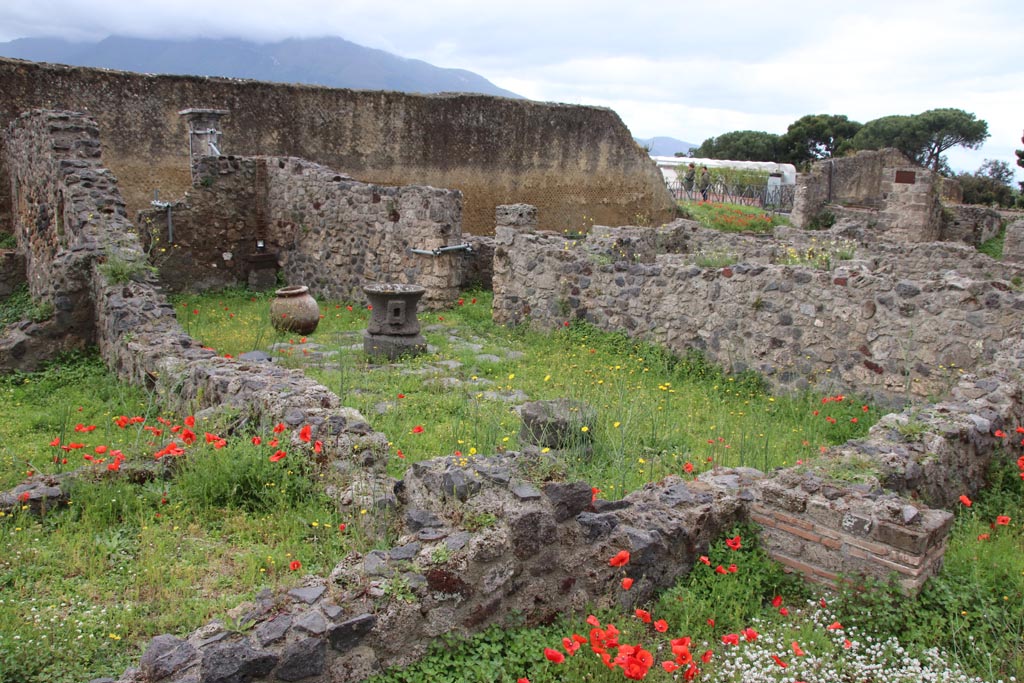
x=83, y=588
x=731, y=217
x=994, y=246
x=655, y=412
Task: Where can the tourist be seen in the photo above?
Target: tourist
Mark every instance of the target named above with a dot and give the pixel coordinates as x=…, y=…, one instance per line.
x=689, y=179
x=705, y=182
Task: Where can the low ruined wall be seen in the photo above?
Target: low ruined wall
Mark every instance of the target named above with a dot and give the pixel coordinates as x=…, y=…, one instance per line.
x=572, y=161
x=329, y=232
x=906, y=196
x=970, y=224
x=863, y=326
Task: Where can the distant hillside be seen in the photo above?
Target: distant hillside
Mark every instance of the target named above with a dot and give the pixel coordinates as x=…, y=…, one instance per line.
x=662, y=146
x=332, y=62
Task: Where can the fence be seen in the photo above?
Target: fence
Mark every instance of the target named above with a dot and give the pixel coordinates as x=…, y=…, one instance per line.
x=777, y=198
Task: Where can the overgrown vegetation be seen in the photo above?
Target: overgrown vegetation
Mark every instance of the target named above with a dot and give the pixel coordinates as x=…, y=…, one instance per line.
x=126, y=561
x=731, y=217
x=994, y=246
x=19, y=305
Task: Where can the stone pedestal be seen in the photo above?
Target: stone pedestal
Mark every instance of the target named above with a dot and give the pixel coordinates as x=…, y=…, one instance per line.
x=394, y=329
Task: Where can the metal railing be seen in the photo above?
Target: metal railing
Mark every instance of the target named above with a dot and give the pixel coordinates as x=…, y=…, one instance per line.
x=778, y=198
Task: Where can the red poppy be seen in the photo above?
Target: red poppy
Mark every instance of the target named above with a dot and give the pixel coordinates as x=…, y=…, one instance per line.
x=401, y=396
x=784, y=611
x=661, y=626
x=776, y=601
x=733, y=569
x=318, y=446
x=278, y=455
x=418, y=429
x=999, y=433
x=295, y=565
x=620, y=559
x=750, y=634
x=627, y=583
x=643, y=615
x=554, y=655
x=721, y=570
x=55, y=442
x=256, y=441
x=688, y=467
x=704, y=559
x=966, y=501
x=400, y=454
x=847, y=644
x=188, y=436
x=711, y=623
x=1002, y=520
x=734, y=543
x=523, y=680
x=779, y=661
x=731, y=639
x=669, y=666
x=706, y=657
x=570, y=645
x=279, y=427
x=797, y=650
x=983, y=537
x=835, y=626
x=306, y=434
x=341, y=527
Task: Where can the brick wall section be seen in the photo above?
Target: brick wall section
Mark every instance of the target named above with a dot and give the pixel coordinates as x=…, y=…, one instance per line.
x=572, y=161
x=892, y=326
x=824, y=529
x=330, y=232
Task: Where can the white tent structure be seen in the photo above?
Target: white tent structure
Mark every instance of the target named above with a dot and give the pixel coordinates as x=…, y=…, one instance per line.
x=668, y=166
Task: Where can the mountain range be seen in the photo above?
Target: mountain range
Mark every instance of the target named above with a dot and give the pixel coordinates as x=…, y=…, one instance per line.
x=328, y=61
x=662, y=146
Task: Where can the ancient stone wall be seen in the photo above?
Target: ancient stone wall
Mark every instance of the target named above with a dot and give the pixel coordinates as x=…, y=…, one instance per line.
x=893, y=324
x=67, y=215
x=970, y=224
x=572, y=161
x=12, y=271
x=905, y=196
x=328, y=232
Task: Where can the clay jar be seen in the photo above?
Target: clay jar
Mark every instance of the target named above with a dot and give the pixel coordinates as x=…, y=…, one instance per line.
x=293, y=309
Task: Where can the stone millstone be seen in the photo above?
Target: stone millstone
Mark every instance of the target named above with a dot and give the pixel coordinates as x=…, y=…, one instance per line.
x=557, y=424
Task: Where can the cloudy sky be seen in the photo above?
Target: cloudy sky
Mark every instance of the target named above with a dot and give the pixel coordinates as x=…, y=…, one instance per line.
x=683, y=68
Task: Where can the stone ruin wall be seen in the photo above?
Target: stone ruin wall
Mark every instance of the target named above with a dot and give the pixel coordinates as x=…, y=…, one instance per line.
x=548, y=551
x=893, y=326
x=901, y=196
x=329, y=232
x=573, y=161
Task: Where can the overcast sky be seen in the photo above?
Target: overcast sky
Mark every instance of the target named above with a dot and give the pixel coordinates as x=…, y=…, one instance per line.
x=683, y=68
